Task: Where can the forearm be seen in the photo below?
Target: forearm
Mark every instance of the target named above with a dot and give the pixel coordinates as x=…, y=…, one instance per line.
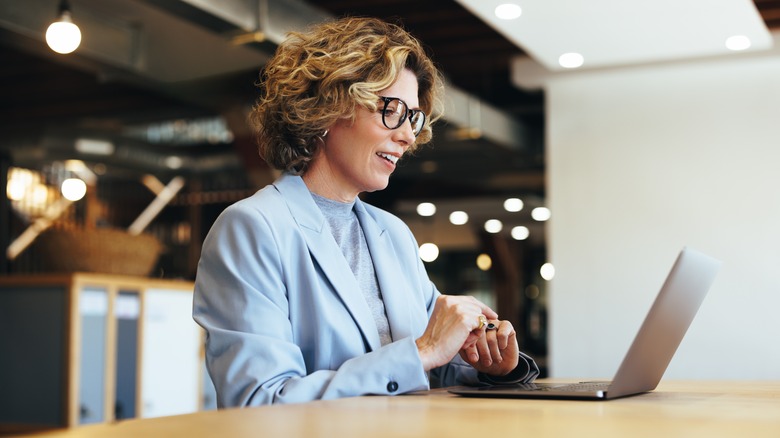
x=252, y=379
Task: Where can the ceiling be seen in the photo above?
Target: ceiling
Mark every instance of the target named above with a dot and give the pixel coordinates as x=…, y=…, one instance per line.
x=609, y=33
x=192, y=77
x=150, y=61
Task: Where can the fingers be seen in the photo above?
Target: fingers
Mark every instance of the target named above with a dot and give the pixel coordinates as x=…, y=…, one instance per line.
x=493, y=343
x=490, y=345
x=505, y=334
x=488, y=349
x=481, y=307
x=487, y=311
x=454, y=326
x=472, y=355
x=473, y=313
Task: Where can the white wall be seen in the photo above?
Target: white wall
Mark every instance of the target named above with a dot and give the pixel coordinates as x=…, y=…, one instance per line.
x=641, y=162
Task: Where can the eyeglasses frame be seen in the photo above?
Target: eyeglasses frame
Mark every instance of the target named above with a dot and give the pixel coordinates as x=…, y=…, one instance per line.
x=410, y=113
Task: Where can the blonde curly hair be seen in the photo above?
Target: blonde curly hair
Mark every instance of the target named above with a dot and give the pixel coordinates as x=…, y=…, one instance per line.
x=320, y=76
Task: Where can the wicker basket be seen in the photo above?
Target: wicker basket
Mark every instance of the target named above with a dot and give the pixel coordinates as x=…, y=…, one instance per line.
x=104, y=250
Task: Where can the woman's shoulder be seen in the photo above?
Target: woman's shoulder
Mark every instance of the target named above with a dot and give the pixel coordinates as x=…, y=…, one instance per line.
x=266, y=203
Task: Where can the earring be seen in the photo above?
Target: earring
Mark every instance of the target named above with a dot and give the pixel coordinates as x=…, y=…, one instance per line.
x=321, y=138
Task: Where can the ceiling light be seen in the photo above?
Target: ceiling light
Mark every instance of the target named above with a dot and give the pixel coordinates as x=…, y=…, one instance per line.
x=738, y=42
x=63, y=36
x=540, y=214
x=16, y=188
x=571, y=60
x=73, y=189
x=493, y=226
x=520, y=232
x=94, y=146
x=508, y=11
x=429, y=252
x=484, y=262
x=20, y=183
x=459, y=217
x=174, y=162
x=513, y=205
x=547, y=271
x=426, y=209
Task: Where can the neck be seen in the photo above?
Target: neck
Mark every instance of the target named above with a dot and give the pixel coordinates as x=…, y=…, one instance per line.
x=318, y=182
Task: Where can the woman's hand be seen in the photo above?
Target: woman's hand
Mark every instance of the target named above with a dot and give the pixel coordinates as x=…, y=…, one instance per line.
x=453, y=326
x=496, y=353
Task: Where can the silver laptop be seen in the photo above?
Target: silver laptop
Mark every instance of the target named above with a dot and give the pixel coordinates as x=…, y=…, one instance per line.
x=659, y=336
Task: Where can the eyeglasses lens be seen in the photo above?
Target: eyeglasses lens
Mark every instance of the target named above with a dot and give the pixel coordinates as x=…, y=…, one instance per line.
x=395, y=114
x=418, y=121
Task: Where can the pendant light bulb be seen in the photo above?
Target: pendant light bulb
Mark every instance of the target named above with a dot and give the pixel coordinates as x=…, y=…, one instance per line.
x=63, y=36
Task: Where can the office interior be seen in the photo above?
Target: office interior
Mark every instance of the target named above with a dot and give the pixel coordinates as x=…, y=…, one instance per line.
x=559, y=195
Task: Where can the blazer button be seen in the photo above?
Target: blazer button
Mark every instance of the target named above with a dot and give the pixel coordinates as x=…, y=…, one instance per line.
x=392, y=386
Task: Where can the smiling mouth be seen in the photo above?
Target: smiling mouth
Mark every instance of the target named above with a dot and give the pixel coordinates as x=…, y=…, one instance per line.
x=391, y=158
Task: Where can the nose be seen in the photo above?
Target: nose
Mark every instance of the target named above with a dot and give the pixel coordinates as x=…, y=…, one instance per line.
x=404, y=135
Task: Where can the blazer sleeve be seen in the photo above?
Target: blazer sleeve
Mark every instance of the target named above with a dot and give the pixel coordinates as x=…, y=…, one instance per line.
x=241, y=302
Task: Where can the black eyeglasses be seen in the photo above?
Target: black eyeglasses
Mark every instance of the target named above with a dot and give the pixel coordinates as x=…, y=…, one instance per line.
x=395, y=112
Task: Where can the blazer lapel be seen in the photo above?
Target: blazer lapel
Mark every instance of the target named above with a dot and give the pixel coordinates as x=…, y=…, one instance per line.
x=394, y=288
x=326, y=252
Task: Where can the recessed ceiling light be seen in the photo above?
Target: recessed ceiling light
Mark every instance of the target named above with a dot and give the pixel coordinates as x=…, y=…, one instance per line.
x=508, y=11
x=426, y=209
x=547, y=271
x=571, y=60
x=513, y=205
x=493, y=226
x=738, y=42
x=520, y=232
x=429, y=252
x=541, y=214
x=459, y=217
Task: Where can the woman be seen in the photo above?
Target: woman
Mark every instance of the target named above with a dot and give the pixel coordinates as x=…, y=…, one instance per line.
x=304, y=291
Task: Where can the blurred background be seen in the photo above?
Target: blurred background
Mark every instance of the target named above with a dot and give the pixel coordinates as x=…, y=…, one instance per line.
x=584, y=144
x=159, y=90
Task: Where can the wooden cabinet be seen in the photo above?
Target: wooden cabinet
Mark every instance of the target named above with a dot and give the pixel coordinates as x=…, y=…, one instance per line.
x=91, y=348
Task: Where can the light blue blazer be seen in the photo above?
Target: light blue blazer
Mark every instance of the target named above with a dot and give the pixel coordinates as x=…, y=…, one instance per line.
x=284, y=317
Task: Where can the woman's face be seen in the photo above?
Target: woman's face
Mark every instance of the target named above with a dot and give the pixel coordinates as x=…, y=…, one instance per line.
x=359, y=157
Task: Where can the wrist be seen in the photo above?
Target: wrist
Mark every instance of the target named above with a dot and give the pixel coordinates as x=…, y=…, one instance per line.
x=426, y=356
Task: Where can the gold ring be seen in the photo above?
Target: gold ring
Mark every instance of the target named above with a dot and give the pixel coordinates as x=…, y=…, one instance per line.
x=482, y=322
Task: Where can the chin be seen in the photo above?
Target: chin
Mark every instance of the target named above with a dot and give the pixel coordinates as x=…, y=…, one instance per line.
x=377, y=186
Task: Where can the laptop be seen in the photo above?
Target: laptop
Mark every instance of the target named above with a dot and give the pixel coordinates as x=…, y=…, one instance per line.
x=652, y=349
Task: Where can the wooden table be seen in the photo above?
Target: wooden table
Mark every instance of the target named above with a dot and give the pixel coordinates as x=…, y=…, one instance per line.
x=689, y=409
